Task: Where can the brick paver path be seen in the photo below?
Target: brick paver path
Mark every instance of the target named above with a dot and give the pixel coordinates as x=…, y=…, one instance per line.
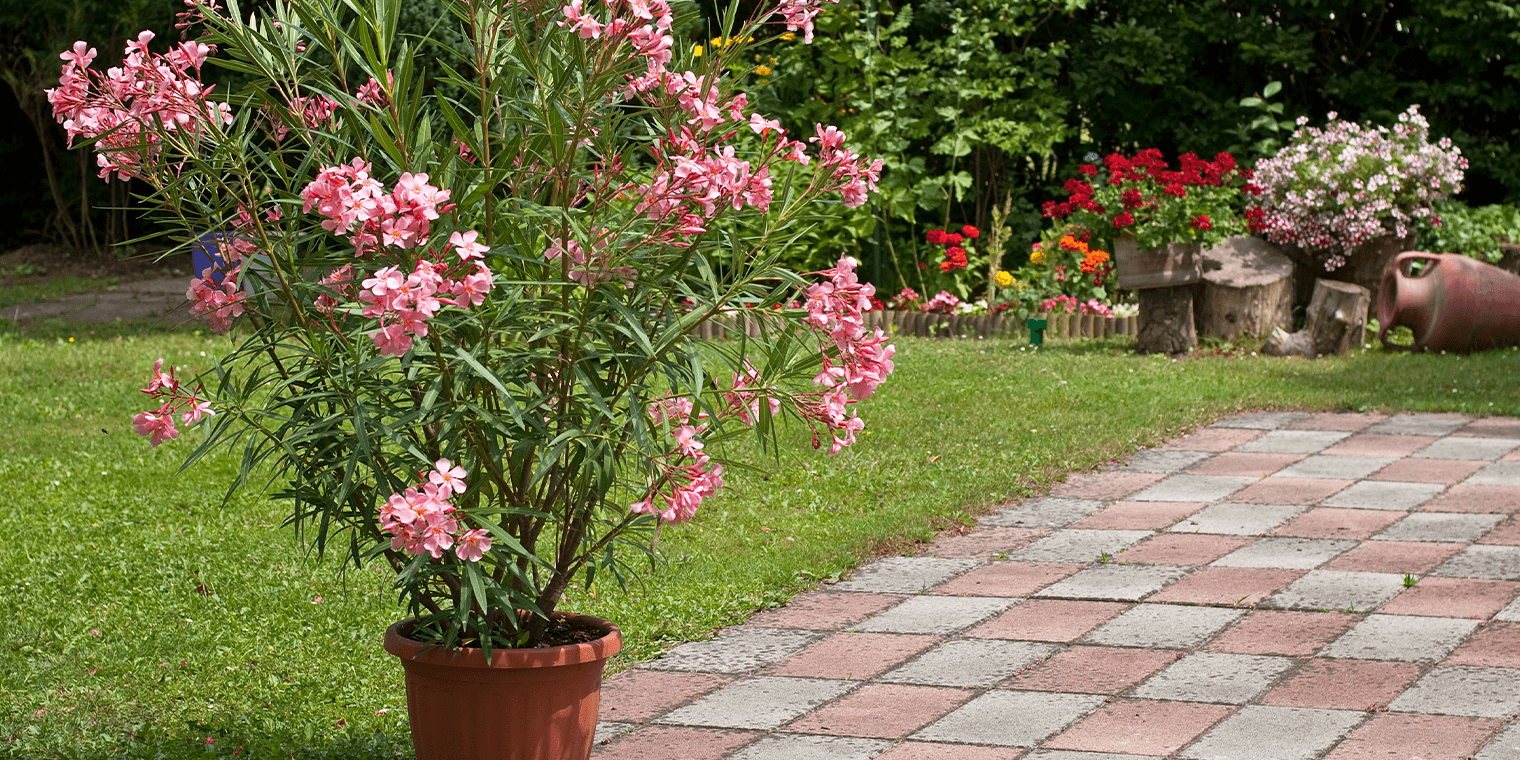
x=1237, y=594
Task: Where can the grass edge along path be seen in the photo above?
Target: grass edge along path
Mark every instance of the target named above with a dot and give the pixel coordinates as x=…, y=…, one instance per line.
x=147, y=619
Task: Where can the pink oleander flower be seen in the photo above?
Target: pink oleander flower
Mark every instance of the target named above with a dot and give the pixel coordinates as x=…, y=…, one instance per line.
x=448, y=477
x=472, y=545
x=464, y=244
x=157, y=426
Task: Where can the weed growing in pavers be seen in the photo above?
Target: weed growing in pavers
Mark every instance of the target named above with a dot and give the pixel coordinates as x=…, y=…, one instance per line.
x=1410, y=580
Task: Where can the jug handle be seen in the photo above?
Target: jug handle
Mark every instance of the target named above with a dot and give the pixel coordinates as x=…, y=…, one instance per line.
x=1398, y=264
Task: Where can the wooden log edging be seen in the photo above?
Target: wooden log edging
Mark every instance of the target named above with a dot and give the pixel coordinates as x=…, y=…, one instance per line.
x=1061, y=326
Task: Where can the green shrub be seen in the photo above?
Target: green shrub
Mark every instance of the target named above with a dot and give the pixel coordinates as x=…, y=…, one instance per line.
x=1475, y=232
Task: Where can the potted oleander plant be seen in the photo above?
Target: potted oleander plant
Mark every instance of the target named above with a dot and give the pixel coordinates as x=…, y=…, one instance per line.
x=464, y=295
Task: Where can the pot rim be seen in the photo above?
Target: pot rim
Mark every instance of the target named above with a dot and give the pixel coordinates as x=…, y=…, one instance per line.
x=411, y=650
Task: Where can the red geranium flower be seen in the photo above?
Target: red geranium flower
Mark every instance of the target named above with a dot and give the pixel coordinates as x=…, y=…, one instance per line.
x=952, y=238
x=935, y=237
x=1087, y=169
x=1202, y=222
x=1124, y=220
x=1175, y=189
x=1131, y=199
x=970, y=232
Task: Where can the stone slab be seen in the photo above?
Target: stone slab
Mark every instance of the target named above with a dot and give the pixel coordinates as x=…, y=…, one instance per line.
x=1125, y=583
x=1485, y=449
x=1286, y=553
x=1293, y=442
x=1235, y=519
x=1162, y=460
x=1215, y=677
x=990, y=718
x=786, y=747
x=969, y=662
x=1258, y=732
x=1419, y=424
x=1203, y=488
x=1505, y=746
x=1400, y=637
x=1496, y=474
x=1164, y=626
x=1447, y=527
x=1076, y=545
x=1483, y=561
x=1262, y=420
x=737, y=650
x=759, y=702
x=1043, y=513
x=1336, y=467
x=1377, y=494
x=853, y=656
x=1463, y=690
x=1337, y=591
x=935, y=614
x=905, y=575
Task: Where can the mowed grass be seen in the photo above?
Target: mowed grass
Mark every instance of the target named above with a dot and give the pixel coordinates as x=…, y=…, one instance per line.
x=146, y=619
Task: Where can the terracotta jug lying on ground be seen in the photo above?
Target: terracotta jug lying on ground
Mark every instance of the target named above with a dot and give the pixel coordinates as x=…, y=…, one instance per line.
x=1450, y=303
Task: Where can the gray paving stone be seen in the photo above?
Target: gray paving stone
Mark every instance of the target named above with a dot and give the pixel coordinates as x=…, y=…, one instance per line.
x=1286, y=553
x=905, y=575
x=1164, y=626
x=1125, y=583
x=935, y=614
x=797, y=747
x=737, y=650
x=1483, y=561
x=1194, y=488
x=607, y=730
x=1496, y=474
x=1215, y=677
x=1377, y=494
x=969, y=662
x=1257, y=732
x=1463, y=690
x=760, y=702
x=1416, y=424
x=1292, y=442
x=1334, y=467
x=1074, y=545
x=1338, y=590
x=1261, y=420
x=1044, y=513
x=1445, y=527
x=1162, y=460
x=1505, y=746
x=1472, y=449
x=1011, y=718
x=1510, y=614
x=1066, y=754
x=1407, y=638
x=1233, y=519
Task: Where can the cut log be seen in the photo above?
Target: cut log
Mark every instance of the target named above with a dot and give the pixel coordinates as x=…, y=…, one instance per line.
x=1247, y=289
x=1335, y=324
x=1166, y=321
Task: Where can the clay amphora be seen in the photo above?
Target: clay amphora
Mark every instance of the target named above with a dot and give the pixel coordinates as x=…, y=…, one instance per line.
x=1450, y=302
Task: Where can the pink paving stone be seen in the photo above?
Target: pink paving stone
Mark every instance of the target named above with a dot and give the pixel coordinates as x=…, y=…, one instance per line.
x=824, y=611
x=666, y=743
x=1491, y=427
x=1348, y=422
x=1289, y=491
x=1374, y=445
x=1513, y=456
x=1327, y=522
x=1453, y=598
x=1213, y=439
x=1294, y=634
x=1139, y=515
x=883, y=711
x=1344, y=685
x=1470, y=498
x=1418, y=557
x=1094, y=670
x=983, y=542
x=853, y=656
x=1506, y=533
x=1247, y=464
x=1230, y=586
x=1446, y=471
x=1048, y=620
x=1417, y=737
x=931, y=751
x=1008, y=578
x=1105, y=486
x=1141, y=727
x=638, y=695
x=1496, y=644
x=1183, y=549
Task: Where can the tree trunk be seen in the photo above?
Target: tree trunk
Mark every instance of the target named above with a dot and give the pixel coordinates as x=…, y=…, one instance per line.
x=1335, y=324
x=1166, y=321
x=1247, y=289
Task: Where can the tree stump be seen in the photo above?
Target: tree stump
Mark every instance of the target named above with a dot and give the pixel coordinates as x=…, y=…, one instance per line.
x=1247, y=289
x=1335, y=323
x=1166, y=321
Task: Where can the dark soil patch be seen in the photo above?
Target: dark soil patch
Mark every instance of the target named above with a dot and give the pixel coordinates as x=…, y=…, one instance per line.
x=36, y=264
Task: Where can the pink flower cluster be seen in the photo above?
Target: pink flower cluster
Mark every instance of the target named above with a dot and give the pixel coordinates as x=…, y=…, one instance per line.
x=132, y=109
x=357, y=206
x=943, y=302
x=421, y=519
x=907, y=298
x=799, y=14
x=691, y=182
x=158, y=426
x=1070, y=305
x=217, y=302
x=591, y=267
x=688, y=475
x=860, y=363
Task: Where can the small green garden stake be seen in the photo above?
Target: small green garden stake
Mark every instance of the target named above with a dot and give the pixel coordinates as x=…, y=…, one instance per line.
x=1036, y=331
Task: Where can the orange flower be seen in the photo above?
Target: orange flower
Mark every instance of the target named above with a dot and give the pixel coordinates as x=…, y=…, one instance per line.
x=1072, y=244
x=1094, y=260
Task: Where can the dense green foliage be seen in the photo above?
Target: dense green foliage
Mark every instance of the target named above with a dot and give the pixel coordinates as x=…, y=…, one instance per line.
x=1476, y=232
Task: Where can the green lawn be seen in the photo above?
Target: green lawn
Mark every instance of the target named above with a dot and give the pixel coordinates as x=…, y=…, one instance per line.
x=146, y=618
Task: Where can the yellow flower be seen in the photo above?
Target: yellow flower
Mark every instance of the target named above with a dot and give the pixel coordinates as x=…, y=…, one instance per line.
x=717, y=42
x=1037, y=256
x=763, y=70
x=1003, y=279
x=696, y=52
x=788, y=36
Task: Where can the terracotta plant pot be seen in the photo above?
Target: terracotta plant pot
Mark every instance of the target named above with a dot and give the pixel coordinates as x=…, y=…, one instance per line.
x=526, y=704
x=1136, y=269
